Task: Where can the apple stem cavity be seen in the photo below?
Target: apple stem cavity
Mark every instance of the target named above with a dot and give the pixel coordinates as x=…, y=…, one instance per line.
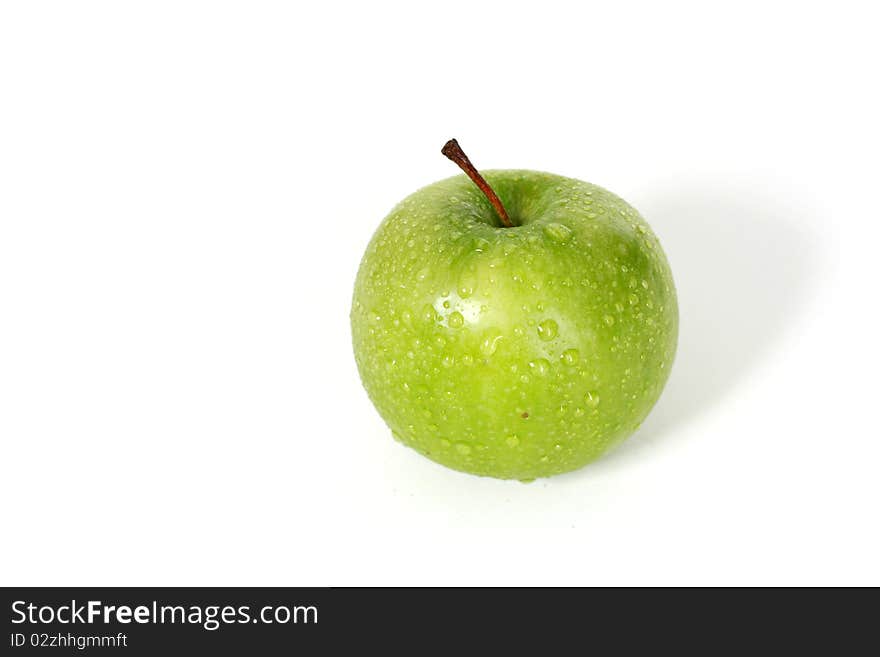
x=453, y=151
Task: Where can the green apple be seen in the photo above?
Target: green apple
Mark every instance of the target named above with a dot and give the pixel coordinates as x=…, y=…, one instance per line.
x=517, y=351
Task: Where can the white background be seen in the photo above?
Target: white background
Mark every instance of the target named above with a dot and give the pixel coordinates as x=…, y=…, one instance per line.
x=186, y=190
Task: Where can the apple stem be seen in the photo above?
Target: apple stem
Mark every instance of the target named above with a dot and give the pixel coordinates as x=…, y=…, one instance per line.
x=453, y=151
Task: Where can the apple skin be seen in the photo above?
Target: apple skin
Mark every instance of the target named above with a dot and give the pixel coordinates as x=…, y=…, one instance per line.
x=518, y=352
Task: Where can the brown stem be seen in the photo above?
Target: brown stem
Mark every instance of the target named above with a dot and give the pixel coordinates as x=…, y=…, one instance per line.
x=453, y=151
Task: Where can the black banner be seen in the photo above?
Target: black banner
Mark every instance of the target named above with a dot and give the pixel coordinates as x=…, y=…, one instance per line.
x=171, y=621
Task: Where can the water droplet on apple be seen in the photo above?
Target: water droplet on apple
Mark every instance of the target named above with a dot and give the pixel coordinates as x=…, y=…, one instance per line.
x=570, y=356
x=480, y=245
x=512, y=441
x=557, y=232
x=540, y=366
x=490, y=343
x=591, y=399
x=609, y=320
x=455, y=320
x=548, y=329
x=448, y=360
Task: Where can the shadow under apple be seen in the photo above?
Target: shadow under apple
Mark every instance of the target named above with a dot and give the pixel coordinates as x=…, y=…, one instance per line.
x=744, y=267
